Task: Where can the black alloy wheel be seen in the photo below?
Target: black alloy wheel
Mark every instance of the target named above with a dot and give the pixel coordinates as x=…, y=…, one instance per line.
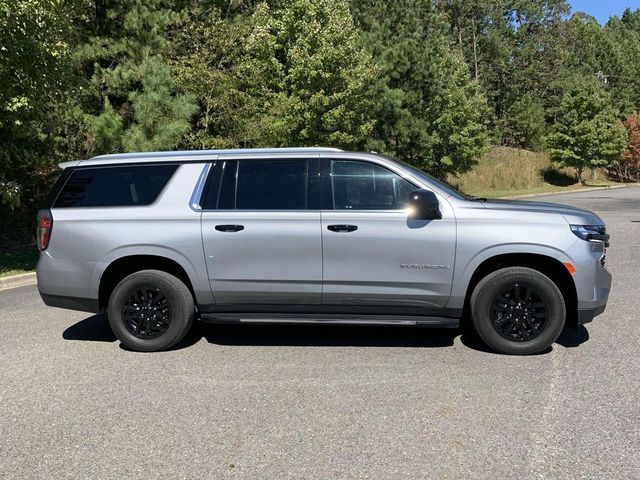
x=518, y=310
x=150, y=310
x=519, y=313
x=146, y=312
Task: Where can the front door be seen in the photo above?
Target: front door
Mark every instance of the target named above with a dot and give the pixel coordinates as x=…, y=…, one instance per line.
x=261, y=243
x=373, y=254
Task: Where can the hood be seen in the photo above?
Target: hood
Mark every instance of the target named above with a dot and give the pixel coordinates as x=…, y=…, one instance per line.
x=573, y=215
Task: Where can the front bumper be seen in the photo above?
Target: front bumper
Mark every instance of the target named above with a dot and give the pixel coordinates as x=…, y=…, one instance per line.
x=588, y=309
x=587, y=315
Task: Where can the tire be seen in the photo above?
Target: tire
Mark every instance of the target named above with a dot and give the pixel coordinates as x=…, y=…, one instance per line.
x=507, y=321
x=150, y=310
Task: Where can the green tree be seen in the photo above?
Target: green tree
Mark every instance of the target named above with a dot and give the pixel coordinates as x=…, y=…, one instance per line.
x=130, y=100
x=457, y=115
x=513, y=49
x=36, y=83
x=524, y=124
x=325, y=73
x=620, y=60
x=278, y=73
x=588, y=133
x=428, y=110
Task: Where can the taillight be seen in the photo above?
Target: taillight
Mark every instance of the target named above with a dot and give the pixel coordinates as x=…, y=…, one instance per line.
x=45, y=223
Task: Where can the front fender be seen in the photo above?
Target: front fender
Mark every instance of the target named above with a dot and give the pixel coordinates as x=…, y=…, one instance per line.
x=467, y=265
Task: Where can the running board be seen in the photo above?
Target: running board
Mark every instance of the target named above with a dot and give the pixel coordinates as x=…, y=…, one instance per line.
x=330, y=319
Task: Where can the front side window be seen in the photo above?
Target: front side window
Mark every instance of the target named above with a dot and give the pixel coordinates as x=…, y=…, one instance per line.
x=367, y=186
x=118, y=186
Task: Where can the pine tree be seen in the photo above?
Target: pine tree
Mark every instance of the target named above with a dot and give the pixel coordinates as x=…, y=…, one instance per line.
x=428, y=110
x=131, y=101
x=457, y=117
x=524, y=123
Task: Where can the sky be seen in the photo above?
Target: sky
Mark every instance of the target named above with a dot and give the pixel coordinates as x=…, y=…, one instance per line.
x=603, y=9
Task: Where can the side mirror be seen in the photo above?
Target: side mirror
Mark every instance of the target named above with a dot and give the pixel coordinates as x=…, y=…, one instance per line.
x=424, y=205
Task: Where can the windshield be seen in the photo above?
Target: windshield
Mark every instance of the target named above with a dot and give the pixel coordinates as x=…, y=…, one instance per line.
x=429, y=179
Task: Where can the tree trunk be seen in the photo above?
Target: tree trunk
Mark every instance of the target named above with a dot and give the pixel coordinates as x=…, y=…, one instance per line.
x=101, y=16
x=475, y=49
x=579, y=175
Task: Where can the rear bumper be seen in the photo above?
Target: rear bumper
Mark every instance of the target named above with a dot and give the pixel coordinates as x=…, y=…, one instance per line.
x=70, y=303
x=69, y=284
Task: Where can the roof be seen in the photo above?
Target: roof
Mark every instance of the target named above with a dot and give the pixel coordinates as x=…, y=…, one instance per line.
x=191, y=155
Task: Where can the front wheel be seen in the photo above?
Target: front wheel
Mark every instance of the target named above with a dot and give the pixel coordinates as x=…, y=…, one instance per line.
x=150, y=310
x=518, y=310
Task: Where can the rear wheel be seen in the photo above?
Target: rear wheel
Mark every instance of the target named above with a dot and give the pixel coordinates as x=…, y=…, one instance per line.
x=518, y=310
x=150, y=310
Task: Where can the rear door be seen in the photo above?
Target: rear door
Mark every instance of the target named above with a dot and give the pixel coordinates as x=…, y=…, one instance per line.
x=261, y=240
x=373, y=254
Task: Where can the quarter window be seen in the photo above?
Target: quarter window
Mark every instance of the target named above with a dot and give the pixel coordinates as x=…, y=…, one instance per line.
x=125, y=185
x=367, y=186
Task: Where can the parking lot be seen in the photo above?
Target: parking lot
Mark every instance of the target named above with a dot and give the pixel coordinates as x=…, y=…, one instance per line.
x=326, y=402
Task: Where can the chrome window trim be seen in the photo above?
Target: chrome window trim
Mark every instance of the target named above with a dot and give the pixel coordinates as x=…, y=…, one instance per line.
x=196, y=196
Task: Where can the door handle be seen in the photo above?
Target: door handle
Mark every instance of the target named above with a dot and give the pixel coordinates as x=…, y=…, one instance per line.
x=229, y=228
x=343, y=228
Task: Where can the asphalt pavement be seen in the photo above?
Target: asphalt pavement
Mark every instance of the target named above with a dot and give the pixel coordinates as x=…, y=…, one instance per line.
x=278, y=402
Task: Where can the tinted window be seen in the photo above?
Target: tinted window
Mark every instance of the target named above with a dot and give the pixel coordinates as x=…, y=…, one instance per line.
x=227, y=194
x=367, y=186
x=114, y=186
x=220, y=192
x=271, y=185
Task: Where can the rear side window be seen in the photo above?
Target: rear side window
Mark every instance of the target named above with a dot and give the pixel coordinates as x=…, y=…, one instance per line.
x=258, y=185
x=124, y=185
x=272, y=185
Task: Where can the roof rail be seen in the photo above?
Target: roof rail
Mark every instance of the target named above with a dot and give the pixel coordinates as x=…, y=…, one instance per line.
x=195, y=153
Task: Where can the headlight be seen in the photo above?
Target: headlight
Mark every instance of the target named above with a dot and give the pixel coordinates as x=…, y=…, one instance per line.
x=591, y=233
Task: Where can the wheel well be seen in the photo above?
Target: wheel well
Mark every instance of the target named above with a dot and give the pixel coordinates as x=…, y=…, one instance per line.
x=552, y=268
x=125, y=266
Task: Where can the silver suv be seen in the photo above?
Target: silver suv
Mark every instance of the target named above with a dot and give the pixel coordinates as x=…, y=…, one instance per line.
x=310, y=235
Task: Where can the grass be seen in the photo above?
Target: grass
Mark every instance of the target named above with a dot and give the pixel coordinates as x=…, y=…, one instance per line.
x=506, y=171
x=18, y=261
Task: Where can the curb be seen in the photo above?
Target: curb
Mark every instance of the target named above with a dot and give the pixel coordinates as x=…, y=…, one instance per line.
x=18, y=280
x=589, y=189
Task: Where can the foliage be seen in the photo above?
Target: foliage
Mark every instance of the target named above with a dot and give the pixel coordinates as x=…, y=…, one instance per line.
x=524, y=124
x=630, y=163
x=512, y=49
x=285, y=73
x=132, y=103
x=458, y=116
x=588, y=134
x=428, y=111
x=35, y=82
x=432, y=82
